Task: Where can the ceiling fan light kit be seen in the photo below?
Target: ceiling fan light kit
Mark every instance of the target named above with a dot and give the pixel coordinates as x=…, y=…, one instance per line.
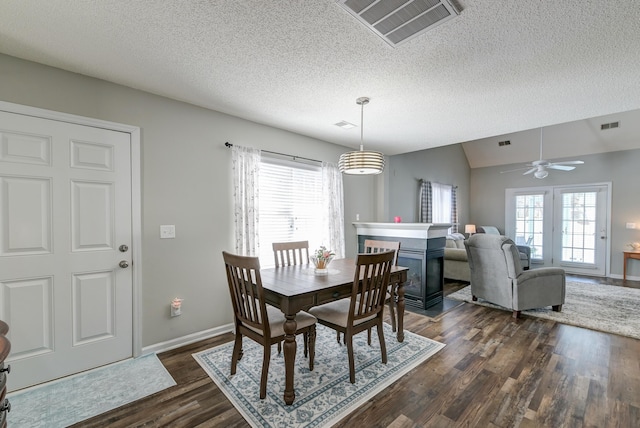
x=539, y=168
x=361, y=162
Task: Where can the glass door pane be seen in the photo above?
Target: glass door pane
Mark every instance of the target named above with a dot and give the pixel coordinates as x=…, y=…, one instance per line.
x=581, y=230
x=530, y=223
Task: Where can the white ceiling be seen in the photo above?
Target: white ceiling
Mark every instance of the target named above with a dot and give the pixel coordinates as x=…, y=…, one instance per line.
x=500, y=67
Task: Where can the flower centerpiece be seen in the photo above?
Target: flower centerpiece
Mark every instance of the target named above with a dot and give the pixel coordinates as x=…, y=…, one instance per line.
x=321, y=259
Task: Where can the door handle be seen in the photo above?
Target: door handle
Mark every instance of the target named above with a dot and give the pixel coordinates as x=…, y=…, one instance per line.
x=123, y=264
x=123, y=248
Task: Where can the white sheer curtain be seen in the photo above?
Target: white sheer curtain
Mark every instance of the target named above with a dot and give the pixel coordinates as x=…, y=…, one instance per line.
x=246, y=170
x=441, y=209
x=438, y=204
x=333, y=201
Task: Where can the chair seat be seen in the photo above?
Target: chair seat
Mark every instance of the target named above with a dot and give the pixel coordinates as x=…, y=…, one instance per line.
x=336, y=313
x=276, y=321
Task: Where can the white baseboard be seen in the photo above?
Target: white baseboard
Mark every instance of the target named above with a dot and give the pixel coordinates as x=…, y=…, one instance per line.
x=188, y=339
x=629, y=277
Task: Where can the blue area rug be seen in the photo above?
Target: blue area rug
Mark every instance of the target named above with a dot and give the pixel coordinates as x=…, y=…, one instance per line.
x=75, y=398
x=323, y=396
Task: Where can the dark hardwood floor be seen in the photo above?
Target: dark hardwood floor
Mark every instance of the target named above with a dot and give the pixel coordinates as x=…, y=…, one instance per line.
x=494, y=372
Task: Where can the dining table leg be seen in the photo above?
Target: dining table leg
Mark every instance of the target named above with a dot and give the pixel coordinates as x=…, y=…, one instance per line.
x=290, y=327
x=400, y=308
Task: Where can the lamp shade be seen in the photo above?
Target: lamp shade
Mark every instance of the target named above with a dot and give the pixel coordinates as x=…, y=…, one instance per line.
x=361, y=162
x=470, y=228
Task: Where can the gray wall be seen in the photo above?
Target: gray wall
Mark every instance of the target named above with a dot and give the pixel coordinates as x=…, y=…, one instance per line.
x=620, y=168
x=481, y=191
x=446, y=165
x=186, y=181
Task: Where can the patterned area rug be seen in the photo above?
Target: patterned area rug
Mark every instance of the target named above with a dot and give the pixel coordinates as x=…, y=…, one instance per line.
x=607, y=308
x=323, y=396
x=75, y=398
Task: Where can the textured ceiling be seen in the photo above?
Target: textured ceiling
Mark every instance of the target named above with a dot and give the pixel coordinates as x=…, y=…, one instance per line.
x=498, y=68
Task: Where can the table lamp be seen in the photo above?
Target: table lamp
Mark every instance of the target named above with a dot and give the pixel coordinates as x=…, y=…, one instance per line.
x=470, y=229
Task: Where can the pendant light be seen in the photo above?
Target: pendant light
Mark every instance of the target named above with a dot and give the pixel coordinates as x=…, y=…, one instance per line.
x=361, y=162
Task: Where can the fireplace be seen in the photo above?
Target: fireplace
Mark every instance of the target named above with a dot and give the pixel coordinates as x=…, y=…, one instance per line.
x=422, y=253
x=425, y=278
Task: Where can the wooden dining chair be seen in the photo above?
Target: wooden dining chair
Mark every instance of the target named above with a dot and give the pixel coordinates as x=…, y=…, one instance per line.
x=372, y=246
x=257, y=320
x=290, y=253
x=365, y=307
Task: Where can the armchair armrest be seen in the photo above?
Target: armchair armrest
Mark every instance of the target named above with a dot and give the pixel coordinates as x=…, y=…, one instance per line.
x=525, y=249
x=541, y=273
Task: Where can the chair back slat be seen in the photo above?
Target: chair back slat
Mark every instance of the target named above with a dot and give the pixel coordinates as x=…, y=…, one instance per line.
x=373, y=246
x=290, y=253
x=247, y=294
x=370, y=284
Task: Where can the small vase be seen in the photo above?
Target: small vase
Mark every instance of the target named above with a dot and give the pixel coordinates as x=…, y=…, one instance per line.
x=321, y=265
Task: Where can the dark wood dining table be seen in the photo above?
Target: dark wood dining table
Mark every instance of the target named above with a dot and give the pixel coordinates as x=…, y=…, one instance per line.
x=296, y=288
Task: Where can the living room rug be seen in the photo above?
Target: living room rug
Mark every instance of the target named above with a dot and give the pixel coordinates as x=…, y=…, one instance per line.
x=324, y=395
x=63, y=402
x=607, y=308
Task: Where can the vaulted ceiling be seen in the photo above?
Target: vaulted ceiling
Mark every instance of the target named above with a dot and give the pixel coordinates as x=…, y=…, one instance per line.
x=500, y=70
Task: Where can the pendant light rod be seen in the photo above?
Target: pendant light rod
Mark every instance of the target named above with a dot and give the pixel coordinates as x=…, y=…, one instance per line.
x=362, y=101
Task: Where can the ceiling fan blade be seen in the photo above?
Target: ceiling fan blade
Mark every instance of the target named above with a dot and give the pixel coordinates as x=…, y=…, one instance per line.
x=575, y=162
x=514, y=170
x=561, y=167
x=534, y=169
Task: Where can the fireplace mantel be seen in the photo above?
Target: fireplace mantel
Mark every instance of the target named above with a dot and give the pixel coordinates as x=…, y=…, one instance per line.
x=403, y=230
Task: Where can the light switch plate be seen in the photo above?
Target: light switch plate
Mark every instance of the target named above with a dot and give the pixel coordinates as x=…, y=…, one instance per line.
x=167, y=231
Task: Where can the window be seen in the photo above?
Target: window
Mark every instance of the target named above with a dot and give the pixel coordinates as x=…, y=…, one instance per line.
x=290, y=204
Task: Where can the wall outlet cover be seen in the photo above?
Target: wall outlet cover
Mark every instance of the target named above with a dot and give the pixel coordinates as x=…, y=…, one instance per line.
x=167, y=231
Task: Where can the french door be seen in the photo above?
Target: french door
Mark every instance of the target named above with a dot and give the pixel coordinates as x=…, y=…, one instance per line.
x=581, y=229
x=565, y=226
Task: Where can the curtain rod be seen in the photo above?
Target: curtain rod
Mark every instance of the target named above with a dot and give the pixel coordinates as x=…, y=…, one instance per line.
x=228, y=144
x=424, y=179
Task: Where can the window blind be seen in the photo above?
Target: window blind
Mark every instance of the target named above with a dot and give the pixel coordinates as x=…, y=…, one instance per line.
x=290, y=203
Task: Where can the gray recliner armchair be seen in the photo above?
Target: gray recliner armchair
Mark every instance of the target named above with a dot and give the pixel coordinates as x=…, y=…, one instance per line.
x=498, y=277
x=523, y=250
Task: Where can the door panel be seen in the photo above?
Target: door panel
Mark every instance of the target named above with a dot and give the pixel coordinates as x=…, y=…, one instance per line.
x=26, y=215
x=28, y=303
x=65, y=194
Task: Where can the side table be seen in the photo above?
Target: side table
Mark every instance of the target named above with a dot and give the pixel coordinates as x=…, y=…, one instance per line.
x=629, y=255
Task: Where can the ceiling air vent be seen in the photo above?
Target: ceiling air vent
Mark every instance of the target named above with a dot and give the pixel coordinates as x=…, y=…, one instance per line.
x=609, y=125
x=398, y=21
x=504, y=143
x=345, y=125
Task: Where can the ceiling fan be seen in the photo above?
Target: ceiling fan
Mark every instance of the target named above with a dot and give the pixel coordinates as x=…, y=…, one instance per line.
x=539, y=167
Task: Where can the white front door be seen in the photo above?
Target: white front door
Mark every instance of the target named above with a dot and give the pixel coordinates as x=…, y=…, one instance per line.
x=65, y=273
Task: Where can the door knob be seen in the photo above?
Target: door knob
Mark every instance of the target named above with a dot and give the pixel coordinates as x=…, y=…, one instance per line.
x=123, y=264
x=123, y=248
